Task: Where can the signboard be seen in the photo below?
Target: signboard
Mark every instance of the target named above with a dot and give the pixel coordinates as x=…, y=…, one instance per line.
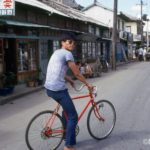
x=7, y=7
x=137, y=38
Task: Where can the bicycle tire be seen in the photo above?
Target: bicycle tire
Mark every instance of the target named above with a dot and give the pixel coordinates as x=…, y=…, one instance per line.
x=41, y=141
x=95, y=126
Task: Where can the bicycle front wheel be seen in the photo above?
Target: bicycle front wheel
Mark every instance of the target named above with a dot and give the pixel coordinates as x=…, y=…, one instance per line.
x=100, y=128
x=39, y=136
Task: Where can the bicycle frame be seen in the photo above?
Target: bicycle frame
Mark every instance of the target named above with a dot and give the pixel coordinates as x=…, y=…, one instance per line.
x=91, y=101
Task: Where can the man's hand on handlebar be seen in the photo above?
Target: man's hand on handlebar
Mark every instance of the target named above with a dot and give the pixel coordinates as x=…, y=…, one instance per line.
x=90, y=87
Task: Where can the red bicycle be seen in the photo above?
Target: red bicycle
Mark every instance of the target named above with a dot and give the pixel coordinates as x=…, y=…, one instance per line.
x=46, y=130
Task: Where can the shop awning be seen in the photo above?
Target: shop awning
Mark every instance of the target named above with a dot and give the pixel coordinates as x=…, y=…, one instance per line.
x=23, y=24
x=84, y=35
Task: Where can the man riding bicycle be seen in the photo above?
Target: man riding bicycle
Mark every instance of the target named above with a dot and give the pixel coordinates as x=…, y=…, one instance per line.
x=60, y=61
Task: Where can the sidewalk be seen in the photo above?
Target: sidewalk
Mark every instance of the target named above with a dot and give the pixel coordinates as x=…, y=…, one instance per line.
x=21, y=90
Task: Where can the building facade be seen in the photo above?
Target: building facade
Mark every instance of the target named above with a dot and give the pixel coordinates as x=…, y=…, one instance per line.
x=28, y=39
x=124, y=38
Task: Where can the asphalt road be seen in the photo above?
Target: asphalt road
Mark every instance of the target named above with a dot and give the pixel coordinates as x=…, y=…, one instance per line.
x=128, y=89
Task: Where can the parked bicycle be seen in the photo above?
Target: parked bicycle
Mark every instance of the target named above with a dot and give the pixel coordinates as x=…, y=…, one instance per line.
x=104, y=63
x=46, y=130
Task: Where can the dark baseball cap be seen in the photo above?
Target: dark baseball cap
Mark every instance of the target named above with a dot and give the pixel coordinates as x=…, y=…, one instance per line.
x=68, y=36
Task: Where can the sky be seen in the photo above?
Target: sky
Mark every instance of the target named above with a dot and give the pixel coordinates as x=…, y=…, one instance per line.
x=130, y=7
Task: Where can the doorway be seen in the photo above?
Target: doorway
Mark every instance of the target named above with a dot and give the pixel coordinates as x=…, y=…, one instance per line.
x=10, y=55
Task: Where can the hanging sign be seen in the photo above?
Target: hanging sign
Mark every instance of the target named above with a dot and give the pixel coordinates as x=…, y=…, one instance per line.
x=7, y=7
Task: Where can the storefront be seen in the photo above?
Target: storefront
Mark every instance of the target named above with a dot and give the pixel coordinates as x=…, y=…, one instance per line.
x=28, y=39
x=19, y=48
x=19, y=56
x=27, y=58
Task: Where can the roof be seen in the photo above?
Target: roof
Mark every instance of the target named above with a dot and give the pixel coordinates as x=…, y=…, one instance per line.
x=41, y=5
x=71, y=3
x=96, y=4
x=74, y=13
x=63, y=10
x=128, y=17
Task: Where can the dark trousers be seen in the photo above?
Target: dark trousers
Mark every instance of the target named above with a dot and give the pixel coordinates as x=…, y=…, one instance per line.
x=64, y=99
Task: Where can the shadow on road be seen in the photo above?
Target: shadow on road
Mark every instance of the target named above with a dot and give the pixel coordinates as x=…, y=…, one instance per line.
x=123, y=137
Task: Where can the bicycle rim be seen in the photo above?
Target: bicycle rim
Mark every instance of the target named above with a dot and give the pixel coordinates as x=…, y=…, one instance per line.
x=100, y=129
x=36, y=138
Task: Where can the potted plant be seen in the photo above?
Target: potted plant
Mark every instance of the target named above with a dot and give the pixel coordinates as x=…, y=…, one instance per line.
x=7, y=83
x=31, y=82
x=35, y=80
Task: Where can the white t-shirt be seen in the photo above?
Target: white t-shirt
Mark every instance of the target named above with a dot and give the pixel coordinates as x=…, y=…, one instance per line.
x=56, y=70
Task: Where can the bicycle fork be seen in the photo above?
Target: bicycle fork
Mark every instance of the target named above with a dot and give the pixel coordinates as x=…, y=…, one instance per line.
x=97, y=112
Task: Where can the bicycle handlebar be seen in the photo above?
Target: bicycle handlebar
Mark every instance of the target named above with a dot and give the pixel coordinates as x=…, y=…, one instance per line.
x=94, y=92
x=79, y=89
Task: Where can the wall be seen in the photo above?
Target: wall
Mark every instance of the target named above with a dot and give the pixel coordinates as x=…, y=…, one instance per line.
x=104, y=15
x=133, y=27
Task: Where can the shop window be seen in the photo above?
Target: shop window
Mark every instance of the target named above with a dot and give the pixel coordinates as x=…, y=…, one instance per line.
x=104, y=49
x=91, y=29
x=97, y=31
x=27, y=56
x=44, y=49
x=93, y=50
x=89, y=49
x=99, y=49
x=84, y=50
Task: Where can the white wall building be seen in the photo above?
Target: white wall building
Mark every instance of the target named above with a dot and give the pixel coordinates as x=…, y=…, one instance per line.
x=133, y=25
x=100, y=12
x=105, y=15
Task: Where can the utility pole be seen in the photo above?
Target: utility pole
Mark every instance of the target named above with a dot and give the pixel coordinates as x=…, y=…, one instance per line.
x=142, y=23
x=114, y=35
x=147, y=35
x=95, y=1
x=141, y=5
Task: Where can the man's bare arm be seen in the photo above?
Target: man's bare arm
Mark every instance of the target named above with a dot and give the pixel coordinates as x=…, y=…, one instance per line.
x=67, y=78
x=77, y=73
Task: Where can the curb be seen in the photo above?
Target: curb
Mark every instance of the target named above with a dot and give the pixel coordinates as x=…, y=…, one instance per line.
x=9, y=98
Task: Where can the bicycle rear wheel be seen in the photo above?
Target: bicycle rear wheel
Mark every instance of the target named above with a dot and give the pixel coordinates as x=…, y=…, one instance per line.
x=98, y=128
x=40, y=137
